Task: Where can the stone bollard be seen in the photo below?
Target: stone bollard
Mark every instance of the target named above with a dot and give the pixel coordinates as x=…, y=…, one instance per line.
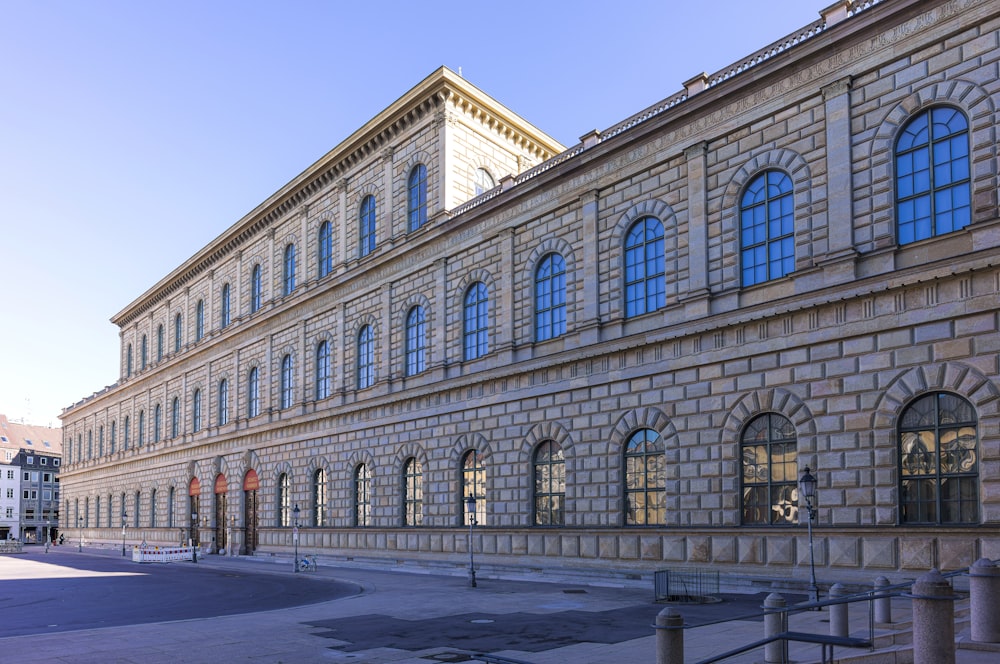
x=883, y=603
x=984, y=598
x=933, y=620
x=669, y=637
x=838, y=612
x=775, y=652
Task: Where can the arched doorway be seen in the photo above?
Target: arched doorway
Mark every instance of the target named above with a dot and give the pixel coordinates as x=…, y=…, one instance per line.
x=250, y=487
x=219, y=537
x=194, y=502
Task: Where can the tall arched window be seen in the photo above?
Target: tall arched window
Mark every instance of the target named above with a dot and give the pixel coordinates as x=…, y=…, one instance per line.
x=224, y=309
x=416, y=197
x=770, y=472
x=288, y=271
x=644, y=479
x=484, y=181
x=413, y=493
x=97, y=512
x=157, y=422
x=286, y=382
x=100, y=441
x=178, y=333
x=939, y=461
x=126, y=432
x=767, y=228
x=324, y=250
x=550, y=298
x=159, y=342
x=284, y=506
x=90, y=443
x=170, y=508
x=196, y=411
x=128, y=362
x=416, y=341
x=366, y=227
x=140, y=434
x=223, y=405
x=143, y=353
x=253, y=393
x=114, y=436
x=362, y=496
x=366, y=358
x=474, y=484
x=256, y=288
x=152, y=508
x=645, y=271
x=550, y=484
x=175, y=418
x=476, y=322
x=319, y=497
x=933, y=190
x=199, y=320
x=322, y=370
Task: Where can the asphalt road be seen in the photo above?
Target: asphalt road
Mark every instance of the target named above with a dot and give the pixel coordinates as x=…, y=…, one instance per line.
x=65, y=590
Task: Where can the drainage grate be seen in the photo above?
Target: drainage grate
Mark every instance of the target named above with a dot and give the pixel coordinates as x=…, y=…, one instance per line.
x=449, y=657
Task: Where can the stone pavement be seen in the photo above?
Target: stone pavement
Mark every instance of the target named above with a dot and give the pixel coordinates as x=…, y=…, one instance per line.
x=411, y=618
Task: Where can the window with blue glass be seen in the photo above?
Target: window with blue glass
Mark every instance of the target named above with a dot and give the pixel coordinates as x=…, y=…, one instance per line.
x=322, y=370
x=767, y=228
x=157, y=422
x=140, y=434
x=224, y=310
x=196, y=411
x=645, y=272
x=126, y=431
x=159, y=342
x=366, y=358
x=288, y=271
x=114, y=437
x=286, y=382
x=416, y=341
x=253, y=393
x=175, y=418
x=199, y=320
x=178, y=332
x=223, y=405
x=366, y=228
x=416, y=198
x=256, y=288
x=933, y=191
x=143, y=353
x=128, y=362
x=476, y=322
x=324, y=250
x=550, y=298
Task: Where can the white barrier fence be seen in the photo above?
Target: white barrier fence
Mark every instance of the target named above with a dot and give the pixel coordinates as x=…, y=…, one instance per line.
x=157, y=554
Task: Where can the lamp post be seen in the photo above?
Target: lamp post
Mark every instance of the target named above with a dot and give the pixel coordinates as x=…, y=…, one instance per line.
x=470, y=508
x=124, y=516
x=194, y=541
x=295, y=535
x=48, y=535
x=229, y=535
x=807, y=487
x=80, y=521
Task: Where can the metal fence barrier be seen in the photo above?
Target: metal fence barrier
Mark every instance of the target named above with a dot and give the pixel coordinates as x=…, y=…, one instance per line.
x=686, y=585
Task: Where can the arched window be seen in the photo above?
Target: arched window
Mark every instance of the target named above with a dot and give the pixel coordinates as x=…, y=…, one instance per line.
x=474, y=484
x=362, y=496
x=366, y=227
x=322, y=370
x=324, y=250
x=288, y=271
x=476, y=319
x=143, y=353
x=550, y=298
x=416, y=198
x=416, y=341
x=484, y=181
x=413, y=493
x=770, y=472
x=767, y=228
x=100, y=441
x=286, y=382
x=224, y=310
x=159, y=342
x=126, y=431
x=319, y=497
x=196, y=411
x=178, y=333
x=223, y=406
x=199, y=320
x=366, y=358
x=939, y=461
x=645, y=272
x=114, y=436
x=253, y=393
x=138, y=508
x=128, y=362
x=175, y=418
x=140, y=434
x=152, y=508
x=284, y=508
x=644, y=479
x=97, y=512
x=157, y=422
x=170, y=508
x=550, y=484
x=256, y=288
x=90, y=443
x=933, y=191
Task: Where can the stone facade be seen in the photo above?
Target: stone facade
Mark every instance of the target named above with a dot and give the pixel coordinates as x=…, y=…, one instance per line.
x=860, y=326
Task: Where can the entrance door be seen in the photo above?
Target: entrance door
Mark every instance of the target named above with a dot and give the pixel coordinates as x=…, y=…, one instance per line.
x=220, y=513
x=194, y=502
x=250, y=487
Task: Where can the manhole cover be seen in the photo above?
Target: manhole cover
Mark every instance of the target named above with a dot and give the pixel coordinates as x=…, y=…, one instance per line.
x=481, y=621
x=448, y=657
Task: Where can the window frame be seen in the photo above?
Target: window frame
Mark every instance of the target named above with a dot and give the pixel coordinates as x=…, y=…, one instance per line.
x=362, y=496
x=475, y=321
x=416, y=198
x=548, y=505
x=651, y=455
x=646, y=286
x=550, y=297
x=288, y=270
x=367, y=226
x=415, y=351
x=365, y=361
x=413, y=493
x=286, y=383
x=776, y=434
x=324, y=250
x=767, y=202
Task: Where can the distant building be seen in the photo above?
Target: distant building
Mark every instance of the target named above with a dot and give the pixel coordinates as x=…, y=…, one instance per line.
x=29, y=480
x=627, y=351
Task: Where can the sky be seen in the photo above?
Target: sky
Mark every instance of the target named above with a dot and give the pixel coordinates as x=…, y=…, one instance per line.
x=134, y=133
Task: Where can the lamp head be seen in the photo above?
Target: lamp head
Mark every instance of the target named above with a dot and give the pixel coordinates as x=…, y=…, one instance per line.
x=470, y=504
x=807, y=486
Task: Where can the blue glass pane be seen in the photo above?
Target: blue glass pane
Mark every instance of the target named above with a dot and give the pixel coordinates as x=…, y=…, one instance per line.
x=914, y=134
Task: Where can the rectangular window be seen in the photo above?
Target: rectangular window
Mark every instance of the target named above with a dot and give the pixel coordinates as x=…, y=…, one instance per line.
x=10, y=512
x=46, y=477
x=44, y=461
x=27, y=476
x=31, y=461
x=55, y=462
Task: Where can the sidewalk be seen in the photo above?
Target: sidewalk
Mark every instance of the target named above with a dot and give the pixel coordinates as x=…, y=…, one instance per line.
x=436, y=618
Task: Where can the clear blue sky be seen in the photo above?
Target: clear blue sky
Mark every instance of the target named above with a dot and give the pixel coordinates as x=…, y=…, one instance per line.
x=133, y=133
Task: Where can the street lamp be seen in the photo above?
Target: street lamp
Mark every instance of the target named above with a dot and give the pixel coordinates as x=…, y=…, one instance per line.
x=295, y=535
x=194, y=541
x=807, y=487
x=470, y=508
x=48, y=535
x=80, y=521
x=124, y=516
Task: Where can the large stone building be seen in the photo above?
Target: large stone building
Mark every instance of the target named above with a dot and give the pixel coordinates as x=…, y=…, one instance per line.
x=627, y=351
